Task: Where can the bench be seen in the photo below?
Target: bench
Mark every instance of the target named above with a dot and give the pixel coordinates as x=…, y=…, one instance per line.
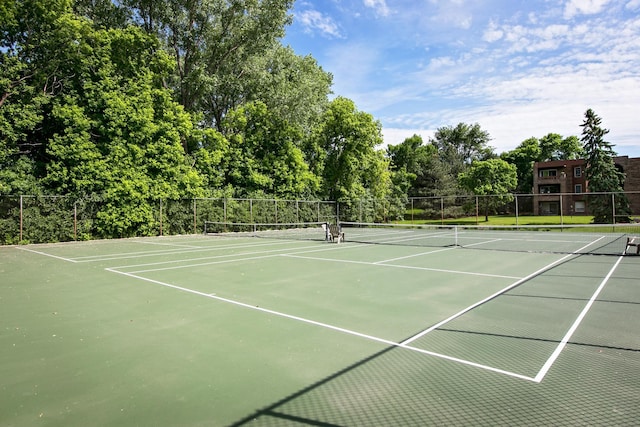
x=335, y=234
x=633, y=242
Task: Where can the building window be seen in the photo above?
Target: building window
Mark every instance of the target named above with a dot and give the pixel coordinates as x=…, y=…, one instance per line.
x=549, y=208
x=577, y=172
x=578, y=188
x=580, y=207
x=548, y=189
x=545, y=173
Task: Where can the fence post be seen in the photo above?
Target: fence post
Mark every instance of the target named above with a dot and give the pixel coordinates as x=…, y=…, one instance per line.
x=613, y=207
x=441, y=210
x=75, y=220
x=476, y=210
x=516, y=210
x=195, y=217
x=412, y=210
x=21, y=218
x=561, y=211
x=160, y=217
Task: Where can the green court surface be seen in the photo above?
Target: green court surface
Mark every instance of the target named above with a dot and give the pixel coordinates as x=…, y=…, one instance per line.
x=220, y=331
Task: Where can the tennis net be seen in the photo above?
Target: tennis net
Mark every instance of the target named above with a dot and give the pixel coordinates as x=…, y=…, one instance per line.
x=289, y=231
x=583, y=239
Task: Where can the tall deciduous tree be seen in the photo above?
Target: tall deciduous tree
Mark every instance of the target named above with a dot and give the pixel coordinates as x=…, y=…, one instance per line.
x=215, y=45
x=427, y=174
x=523, y=158
x=459, y=146
x=494, y=177
x=554, y=147
x=348, y=161
x=264, y=157
x=601, y=172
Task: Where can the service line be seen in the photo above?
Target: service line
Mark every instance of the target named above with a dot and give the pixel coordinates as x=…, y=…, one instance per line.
x=325, y=325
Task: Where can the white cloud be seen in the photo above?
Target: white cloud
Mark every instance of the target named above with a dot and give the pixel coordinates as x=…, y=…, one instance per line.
x=633, y=5
x=583, y=7
x=314, y=20
x=380, y=6
x=492, y=33
x=520, y=73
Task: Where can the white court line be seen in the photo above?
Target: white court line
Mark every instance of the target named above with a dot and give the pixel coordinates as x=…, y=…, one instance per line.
x=170, y=244
x=274, y=251
x=46, y=254
x=490, y=297
x=130, y=255
x=413, y=256
x=226, y=261
x=435, y=251
x=408, y=267
x=543, y=372
x=327, y=326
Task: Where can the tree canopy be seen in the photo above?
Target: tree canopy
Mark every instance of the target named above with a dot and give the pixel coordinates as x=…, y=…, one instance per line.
x=133, y=101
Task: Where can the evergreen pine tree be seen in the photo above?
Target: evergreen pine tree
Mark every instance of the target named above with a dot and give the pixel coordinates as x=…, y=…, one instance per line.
x=601, y=173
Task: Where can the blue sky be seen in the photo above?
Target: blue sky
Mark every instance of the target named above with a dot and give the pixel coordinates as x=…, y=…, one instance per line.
x=518, y=68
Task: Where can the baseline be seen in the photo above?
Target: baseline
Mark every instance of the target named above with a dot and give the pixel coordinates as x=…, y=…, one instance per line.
x=326, y=325
x=46, y=254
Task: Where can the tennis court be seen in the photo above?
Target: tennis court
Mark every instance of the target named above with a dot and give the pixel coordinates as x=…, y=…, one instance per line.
x=391, y=327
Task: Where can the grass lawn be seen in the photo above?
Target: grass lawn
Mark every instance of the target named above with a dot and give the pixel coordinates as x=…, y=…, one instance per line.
x=507, y=220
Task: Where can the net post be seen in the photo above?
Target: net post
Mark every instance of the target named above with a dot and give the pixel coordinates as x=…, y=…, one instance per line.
x=516, y=196
x=441, y=210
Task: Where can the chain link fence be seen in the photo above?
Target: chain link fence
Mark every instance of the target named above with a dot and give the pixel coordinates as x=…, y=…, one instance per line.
x=44, y=219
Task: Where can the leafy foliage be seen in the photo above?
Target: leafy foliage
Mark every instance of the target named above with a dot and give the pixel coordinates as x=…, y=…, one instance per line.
x=490, y=177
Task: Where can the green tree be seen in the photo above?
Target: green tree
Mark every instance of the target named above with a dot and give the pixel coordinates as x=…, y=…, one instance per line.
x=216, y=44
x=523, y=157
x=293, y=87
x=601, y=172
x=119, y=134
x=461, y=145
x=423, y=168
x=494, y=177
x=350, y=166
x=554, y=147
x=264, y=156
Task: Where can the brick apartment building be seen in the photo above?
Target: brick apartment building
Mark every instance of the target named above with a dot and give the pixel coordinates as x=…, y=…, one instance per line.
x=559, y=186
